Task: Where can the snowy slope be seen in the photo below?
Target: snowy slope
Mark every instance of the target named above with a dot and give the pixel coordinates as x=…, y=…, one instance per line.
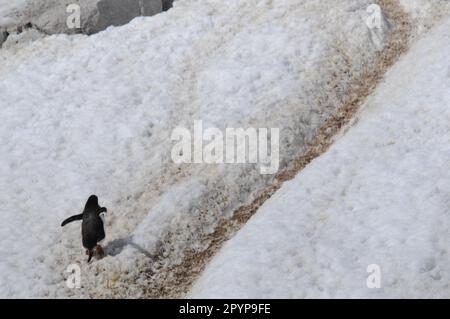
x=380, y=195
x=85, y=115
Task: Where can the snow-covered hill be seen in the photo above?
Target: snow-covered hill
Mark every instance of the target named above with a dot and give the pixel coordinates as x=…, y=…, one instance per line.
x=86, y=115
x=380, y=196
x=94, y=114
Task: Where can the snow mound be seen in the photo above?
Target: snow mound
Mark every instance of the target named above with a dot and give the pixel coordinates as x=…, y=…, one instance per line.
x=378, y=199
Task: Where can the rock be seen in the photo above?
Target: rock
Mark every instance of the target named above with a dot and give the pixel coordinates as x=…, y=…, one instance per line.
x=167, y=4
x=3, y=36
x=120, y=12
x=51, y=16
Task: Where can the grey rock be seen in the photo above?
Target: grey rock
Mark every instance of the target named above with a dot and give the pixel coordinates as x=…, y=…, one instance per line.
x=50, y=16
x=120, y=12
x=167, y=4
x=3, y=35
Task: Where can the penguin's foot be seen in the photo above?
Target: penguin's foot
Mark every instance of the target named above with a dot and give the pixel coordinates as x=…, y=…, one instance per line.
x=90, y=253
x=100, y=252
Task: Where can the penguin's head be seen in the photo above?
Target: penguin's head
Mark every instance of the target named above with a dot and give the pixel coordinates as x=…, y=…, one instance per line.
x=92, y=203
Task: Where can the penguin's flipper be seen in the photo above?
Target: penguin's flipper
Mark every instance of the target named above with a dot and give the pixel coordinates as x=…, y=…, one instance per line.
x=71, y=219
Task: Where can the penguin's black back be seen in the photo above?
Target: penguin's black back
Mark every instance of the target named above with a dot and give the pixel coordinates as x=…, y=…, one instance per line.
x=92, y=230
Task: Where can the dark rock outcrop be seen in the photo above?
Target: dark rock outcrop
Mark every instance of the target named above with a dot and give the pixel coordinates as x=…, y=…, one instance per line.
x=167, y=4
x=120, y=12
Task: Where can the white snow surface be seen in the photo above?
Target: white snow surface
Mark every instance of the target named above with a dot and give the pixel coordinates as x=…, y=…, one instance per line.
x=380, y=195
x=93, y=115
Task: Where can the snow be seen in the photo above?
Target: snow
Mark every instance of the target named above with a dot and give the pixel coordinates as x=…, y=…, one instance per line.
x=93, y=115
x=378, y=196
x=422, y=8
x=425, y=12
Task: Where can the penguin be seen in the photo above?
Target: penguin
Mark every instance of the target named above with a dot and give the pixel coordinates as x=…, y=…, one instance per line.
x=92, y=226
